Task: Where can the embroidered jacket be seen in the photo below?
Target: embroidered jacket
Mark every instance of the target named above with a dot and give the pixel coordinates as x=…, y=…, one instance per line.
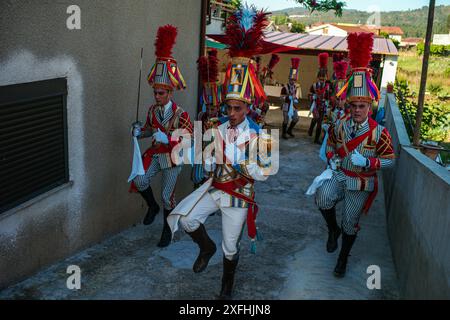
x=377, y=147
x=247, y=170
x=167, y=119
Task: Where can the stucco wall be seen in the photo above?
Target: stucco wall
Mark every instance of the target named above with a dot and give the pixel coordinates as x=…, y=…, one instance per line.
x=101, y=64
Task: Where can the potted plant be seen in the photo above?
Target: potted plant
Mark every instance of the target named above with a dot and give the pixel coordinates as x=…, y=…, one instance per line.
x=431, y=149
x=390, y=87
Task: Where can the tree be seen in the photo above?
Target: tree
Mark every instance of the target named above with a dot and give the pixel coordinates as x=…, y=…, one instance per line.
x=448, y=22
x=297, y=27
x=323, y=5
x=236, y=4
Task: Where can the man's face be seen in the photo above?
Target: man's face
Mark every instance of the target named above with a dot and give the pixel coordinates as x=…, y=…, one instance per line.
x=162, y=96
x=359, y=111
x=237, y=110
x=212, y=110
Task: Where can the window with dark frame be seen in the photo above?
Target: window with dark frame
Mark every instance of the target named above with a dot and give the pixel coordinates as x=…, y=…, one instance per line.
x=33, y=140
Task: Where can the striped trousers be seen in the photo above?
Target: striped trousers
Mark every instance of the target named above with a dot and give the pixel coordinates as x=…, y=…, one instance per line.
x=169, y=181
x=333, y=191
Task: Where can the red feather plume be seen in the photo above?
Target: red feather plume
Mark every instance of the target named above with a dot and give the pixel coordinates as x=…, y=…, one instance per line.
x=165, y=40
x=213, y=63
x=323, y=60
x=245, y=43
x=273, y=61
x=340, y=69
x=360, y=45
x=295, y=63
x=209, y=66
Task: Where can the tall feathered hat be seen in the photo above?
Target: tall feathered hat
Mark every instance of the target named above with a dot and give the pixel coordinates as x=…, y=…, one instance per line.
x=165, y=72
x=360, y=86
x=268, y=70
x=323, y=66
x=244, y=36
x=208, y=67
x=340, y=72
x=293, y=73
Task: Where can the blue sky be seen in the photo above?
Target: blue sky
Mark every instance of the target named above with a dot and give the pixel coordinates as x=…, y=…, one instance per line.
x=384, y=5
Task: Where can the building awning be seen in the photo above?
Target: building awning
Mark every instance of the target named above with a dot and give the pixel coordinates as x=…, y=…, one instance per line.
x=215, y=44
x=276, y=41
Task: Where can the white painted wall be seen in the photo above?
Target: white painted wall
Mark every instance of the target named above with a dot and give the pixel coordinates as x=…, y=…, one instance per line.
x=215, y=27
x=332, y=31
x=441, y=39
x=396, y=37
x=389, y=71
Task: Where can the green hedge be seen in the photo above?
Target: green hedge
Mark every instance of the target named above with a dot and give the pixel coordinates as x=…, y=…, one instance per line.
x=435, y=50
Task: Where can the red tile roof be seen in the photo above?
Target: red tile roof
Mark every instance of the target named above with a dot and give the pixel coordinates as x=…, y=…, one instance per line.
x=350, y=29
x=388, y=29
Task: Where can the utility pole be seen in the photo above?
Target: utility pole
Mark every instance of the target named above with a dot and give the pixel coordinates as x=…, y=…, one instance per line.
x=423, y=79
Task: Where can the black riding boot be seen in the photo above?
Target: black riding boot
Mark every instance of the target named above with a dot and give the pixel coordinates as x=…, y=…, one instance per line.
x=318, y=131
x=333, y=229
x=229, y=268
x=291, y=127
x=311, y=127
x=166, y=235
x=153, y=207
x=347, y=243
x=284, y=135
x=207, y=248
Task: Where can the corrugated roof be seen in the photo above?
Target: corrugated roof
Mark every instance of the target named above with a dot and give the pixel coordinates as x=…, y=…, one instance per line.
x=324, y=43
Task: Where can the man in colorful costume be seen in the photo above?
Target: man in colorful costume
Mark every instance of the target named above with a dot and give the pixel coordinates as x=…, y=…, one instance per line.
x=357, y=148
x=163, y=119
x=338, y=109
x=289, y=96
x=234, y=170
x=319, y=96
x=211, y=101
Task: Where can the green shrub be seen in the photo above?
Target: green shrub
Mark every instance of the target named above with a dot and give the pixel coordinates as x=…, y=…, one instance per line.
x=435, y=50
x=436, y=117
x=434, y=88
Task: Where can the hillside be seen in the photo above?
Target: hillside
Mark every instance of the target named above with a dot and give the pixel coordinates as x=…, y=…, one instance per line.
x=413, y=22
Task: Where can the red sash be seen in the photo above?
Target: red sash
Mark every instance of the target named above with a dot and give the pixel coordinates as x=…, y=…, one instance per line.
x=373, y=194
x=229, y=188
x=347, y=148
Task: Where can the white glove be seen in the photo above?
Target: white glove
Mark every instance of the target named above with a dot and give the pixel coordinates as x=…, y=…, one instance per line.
x=359, y=160
x=210, y=164
x=136, y=132
x=136, y=129
x=234, y=154
x=161, y=137
x=333, y=165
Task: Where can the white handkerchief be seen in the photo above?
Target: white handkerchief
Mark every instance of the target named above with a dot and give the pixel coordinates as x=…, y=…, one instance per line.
x=138, y=166
x=318, y=181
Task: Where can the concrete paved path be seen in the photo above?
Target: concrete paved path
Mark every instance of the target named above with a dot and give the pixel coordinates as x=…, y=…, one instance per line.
x=291, y=261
